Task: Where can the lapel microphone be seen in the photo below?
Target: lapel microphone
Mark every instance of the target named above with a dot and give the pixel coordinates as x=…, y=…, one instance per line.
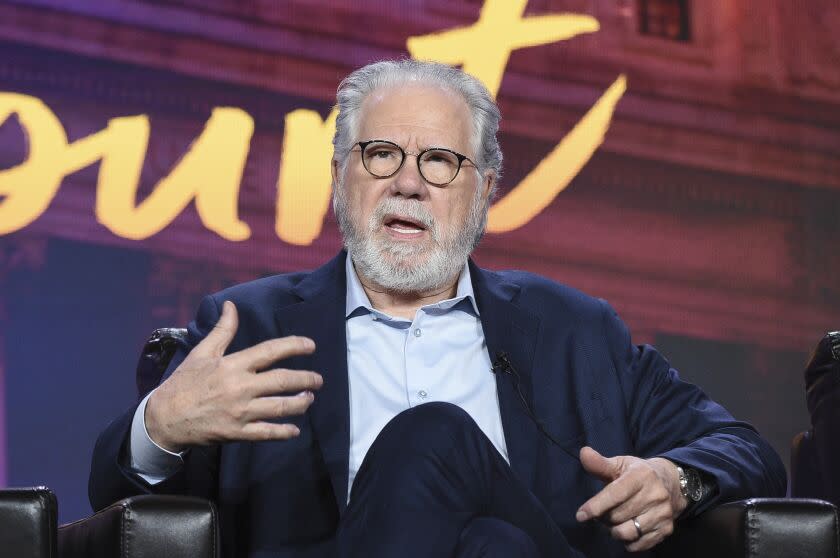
x=503, y=365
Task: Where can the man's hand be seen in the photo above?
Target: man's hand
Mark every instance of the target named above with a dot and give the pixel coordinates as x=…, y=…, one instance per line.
x=211, y=397
x=647, y=490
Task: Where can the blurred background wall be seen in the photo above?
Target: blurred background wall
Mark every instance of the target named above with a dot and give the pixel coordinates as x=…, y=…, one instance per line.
x=709, y=217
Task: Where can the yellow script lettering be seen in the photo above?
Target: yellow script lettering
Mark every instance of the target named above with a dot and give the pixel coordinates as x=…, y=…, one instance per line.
x=303, y=187
x=551, y=176
x=484, y=49
x=26, y=190
x=210, y=171
x=485, y=46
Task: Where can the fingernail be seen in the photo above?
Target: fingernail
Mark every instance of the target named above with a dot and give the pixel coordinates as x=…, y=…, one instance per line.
x=295, y=431
x=308, y=343
x=307, y=394
x=581, y=516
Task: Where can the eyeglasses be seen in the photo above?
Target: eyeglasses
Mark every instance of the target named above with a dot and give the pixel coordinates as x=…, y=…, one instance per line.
x=438, y=166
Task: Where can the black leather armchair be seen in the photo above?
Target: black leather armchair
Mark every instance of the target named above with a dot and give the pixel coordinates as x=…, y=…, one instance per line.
x=140, y=527
x=758, y=528
x=145, y=527
x=181, y=527
x=28, y=523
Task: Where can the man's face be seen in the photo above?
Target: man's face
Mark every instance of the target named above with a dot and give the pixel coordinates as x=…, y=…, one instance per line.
x=405, y=233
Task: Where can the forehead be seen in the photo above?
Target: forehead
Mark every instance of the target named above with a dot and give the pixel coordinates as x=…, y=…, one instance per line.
x=415, y=115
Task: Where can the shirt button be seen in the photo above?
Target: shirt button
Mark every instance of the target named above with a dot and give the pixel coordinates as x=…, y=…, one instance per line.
x=417, y=332
x=422, y=394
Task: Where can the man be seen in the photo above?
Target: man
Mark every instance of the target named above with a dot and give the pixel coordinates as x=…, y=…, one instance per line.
x=401, y=400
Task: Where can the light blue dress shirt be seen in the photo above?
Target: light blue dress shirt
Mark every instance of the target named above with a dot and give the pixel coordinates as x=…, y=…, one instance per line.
x=393, y=364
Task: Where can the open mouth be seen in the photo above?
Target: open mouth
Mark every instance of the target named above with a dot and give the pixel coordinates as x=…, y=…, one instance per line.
x=400, y=226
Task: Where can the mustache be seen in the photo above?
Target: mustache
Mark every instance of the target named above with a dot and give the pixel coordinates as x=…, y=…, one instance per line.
x=407, y=208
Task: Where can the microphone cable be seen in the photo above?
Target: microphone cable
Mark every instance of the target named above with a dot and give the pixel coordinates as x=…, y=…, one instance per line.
x=502, y=364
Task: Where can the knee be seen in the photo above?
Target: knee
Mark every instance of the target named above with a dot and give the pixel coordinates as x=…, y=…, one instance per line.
x=430, y=425
x=489, y=537
x=432, y=430
x=435, y=413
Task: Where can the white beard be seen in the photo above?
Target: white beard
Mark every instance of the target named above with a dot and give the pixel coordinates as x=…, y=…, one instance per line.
x=403, y=267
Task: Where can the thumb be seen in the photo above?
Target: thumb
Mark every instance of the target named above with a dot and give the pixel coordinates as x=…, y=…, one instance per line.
x=606, y=469
x=222, y=333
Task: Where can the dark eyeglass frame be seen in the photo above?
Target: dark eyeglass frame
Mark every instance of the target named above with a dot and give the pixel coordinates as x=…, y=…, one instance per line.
x=461, y=158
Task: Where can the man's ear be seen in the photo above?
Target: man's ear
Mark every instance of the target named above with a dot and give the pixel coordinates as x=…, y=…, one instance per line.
x=488, y=180
x=334, y=170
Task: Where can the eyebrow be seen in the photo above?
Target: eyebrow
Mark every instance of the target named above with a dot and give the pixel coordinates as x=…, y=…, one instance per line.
x=420, y=147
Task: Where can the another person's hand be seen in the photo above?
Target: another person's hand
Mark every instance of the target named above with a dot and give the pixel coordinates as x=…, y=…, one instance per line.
x=213, y=398
x=646, y=491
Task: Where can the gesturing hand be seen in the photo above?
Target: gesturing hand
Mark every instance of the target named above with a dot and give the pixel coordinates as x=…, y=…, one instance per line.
x=646, y=490
x=211, y=397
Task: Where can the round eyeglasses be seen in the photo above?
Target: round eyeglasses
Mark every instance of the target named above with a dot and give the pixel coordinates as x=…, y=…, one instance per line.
x=437, y=165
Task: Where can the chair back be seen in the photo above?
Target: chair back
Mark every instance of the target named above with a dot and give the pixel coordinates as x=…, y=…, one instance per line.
x=157, y=352
x=28, y=522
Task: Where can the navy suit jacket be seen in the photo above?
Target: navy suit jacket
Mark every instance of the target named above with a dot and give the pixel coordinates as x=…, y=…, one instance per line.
x=579, y=372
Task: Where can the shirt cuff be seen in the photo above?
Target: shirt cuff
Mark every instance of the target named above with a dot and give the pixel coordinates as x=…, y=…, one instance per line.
x=148, y=460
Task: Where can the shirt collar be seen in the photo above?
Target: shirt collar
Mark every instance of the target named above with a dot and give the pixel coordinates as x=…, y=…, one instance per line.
x=358, y=298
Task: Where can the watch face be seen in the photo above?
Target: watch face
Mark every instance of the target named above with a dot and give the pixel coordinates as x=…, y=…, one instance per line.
x=694, y=485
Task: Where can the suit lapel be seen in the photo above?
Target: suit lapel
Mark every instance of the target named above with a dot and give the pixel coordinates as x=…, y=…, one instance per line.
x=320, y=316
x=511, y=330
x=507, y=329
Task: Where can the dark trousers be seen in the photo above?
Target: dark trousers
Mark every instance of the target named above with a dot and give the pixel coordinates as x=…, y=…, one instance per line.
x=432, y=485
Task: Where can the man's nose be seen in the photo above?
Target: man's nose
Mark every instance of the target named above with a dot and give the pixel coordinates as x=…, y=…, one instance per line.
x=408, y=182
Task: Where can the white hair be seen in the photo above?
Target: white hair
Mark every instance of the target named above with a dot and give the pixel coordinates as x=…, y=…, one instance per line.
x=353, y=90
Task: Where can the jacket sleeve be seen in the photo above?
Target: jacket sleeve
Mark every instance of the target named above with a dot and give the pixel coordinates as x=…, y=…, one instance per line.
x=676, y=420
x=111, y=479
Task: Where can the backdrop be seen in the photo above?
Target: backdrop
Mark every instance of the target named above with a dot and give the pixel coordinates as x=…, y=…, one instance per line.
x=678, y=158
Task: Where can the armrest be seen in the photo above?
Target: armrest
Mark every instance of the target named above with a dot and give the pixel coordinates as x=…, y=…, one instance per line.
x=758, y=528
x=144, y=527
x=27, y=522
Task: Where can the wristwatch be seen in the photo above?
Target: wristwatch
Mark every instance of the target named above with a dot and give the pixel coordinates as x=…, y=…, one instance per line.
x=691, y=485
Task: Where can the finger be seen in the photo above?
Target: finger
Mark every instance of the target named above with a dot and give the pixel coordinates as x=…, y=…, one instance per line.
x=268, y=352
x=626, y=530
x=650, y=538
x=221, y=335
x=262, y=431
x=613, y=495
x=648, y=541
x=605, y=468
x=652, y=494
x=281, y=380
x=264, y=408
